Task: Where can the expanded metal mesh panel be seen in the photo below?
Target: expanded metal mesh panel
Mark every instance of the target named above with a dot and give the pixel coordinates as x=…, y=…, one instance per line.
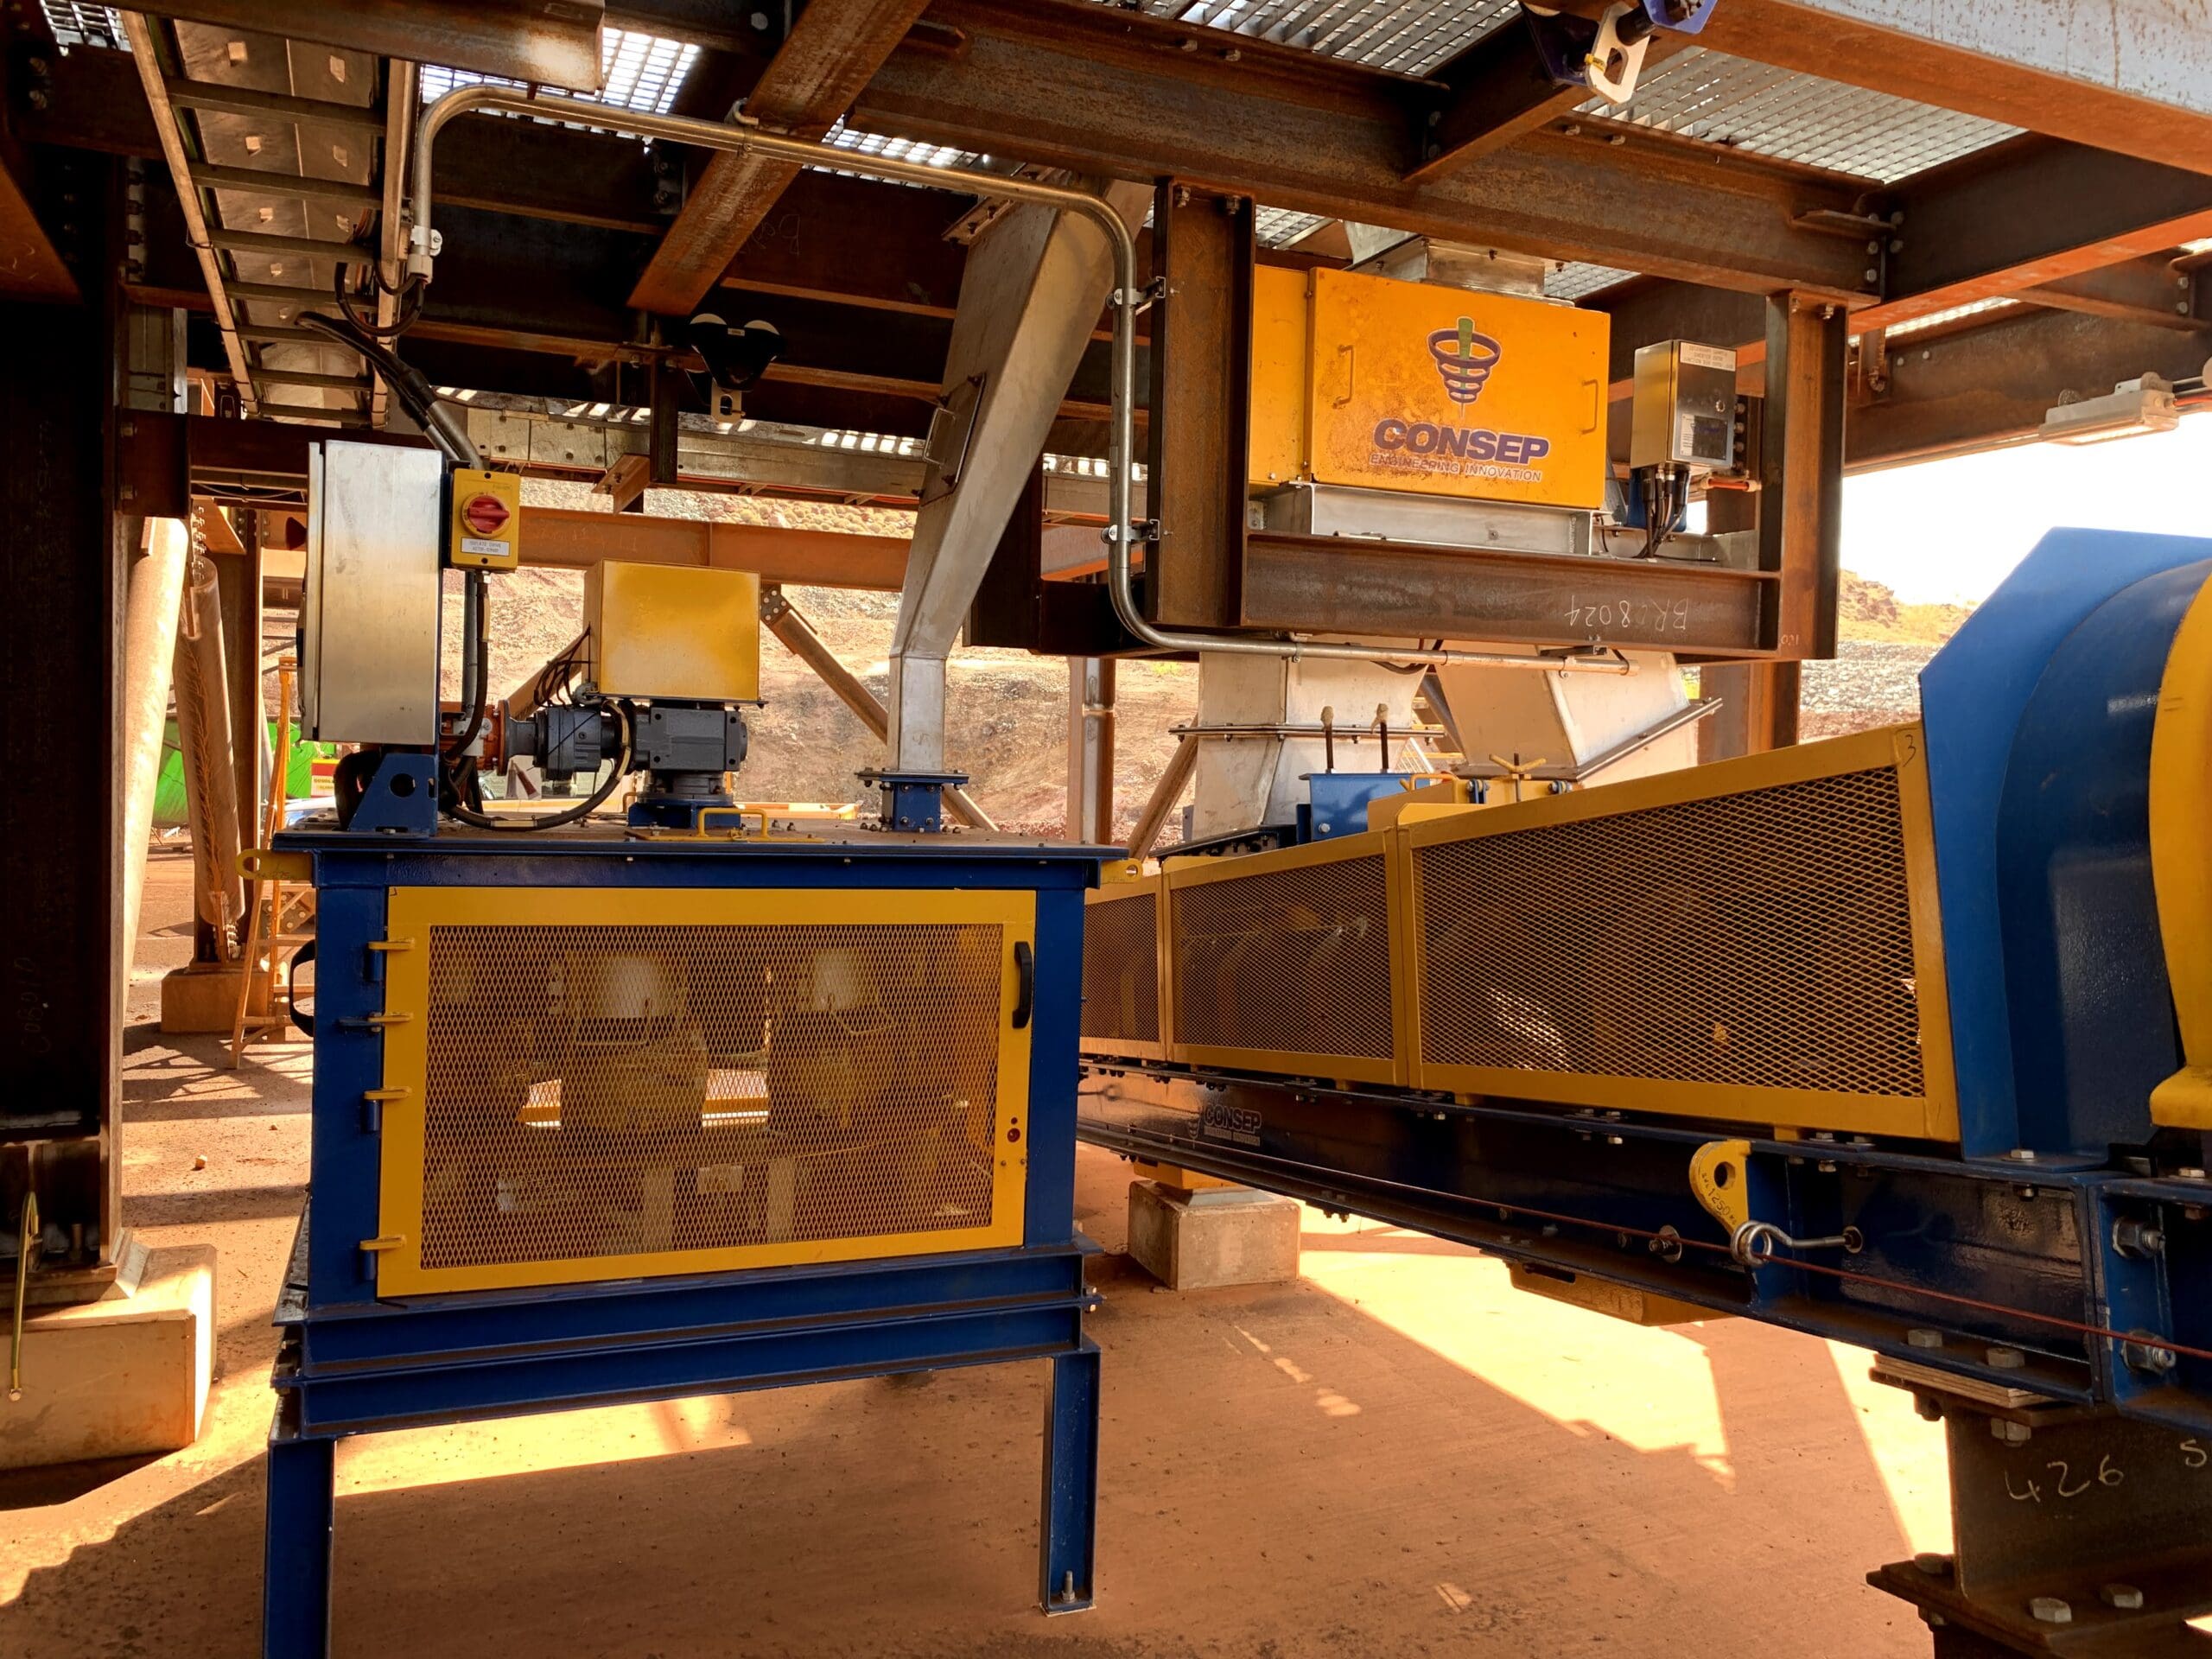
x=1296, y=961
x=1762, y=939
x=1409, y=36
x=1763, y=110
x=616, y=1091
x=1121, y=970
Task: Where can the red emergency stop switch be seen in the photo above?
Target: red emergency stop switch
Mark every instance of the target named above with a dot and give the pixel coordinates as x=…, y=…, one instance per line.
x=484, y=514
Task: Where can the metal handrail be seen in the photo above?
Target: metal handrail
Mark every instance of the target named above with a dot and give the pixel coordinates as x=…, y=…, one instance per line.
x=741, y=134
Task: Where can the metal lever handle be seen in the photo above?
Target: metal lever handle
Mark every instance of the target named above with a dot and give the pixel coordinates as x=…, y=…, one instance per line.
x=1025, y=993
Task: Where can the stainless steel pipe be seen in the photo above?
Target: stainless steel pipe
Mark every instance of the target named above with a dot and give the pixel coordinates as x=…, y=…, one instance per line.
x=740, y=136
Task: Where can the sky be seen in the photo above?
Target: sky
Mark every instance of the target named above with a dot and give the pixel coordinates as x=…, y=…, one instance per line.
x=1951, y=530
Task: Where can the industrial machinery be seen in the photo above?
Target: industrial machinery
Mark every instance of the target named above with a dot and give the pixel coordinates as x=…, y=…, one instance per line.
x=1898, y=1038
x=620, y=1114
x=626, y=1112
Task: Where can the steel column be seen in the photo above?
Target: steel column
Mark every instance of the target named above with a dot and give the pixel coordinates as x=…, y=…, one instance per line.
x=1203, y=252
x=1034, y=285
x=797, y=636
x=1801, y=511
x=61, y=560
x=1090, y=749
x=295, y=1557
x=1067, y=1547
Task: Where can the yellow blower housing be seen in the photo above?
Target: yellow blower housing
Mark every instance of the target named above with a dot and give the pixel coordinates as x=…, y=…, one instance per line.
x=1378, y=384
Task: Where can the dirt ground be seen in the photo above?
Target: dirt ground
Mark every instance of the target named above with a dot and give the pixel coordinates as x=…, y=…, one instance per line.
x=1397, y=1455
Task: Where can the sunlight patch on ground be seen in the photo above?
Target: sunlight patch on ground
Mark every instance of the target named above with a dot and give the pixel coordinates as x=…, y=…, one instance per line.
x=513, y=1445
x=1650, y=1389
x=1906, y=1454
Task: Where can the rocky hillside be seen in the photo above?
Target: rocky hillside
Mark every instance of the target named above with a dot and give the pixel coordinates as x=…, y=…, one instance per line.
x=1874, y=679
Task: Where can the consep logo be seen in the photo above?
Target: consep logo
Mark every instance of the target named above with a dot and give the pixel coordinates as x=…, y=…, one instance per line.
x=1464, y=359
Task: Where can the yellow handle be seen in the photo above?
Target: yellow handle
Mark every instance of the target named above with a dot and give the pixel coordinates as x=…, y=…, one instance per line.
x=1345, y=353
x=1717, y=1177
x=1597, y=405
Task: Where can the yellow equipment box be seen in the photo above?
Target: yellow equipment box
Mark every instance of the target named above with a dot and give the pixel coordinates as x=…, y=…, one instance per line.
x=1383, y=385
x=673, y=630
x=486, y=530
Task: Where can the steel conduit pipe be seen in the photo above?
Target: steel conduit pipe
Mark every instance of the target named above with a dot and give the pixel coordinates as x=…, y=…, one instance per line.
x=738, y=135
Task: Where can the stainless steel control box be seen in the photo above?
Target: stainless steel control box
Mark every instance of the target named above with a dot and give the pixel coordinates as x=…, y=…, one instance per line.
x=1685, y=408
x=369, y=613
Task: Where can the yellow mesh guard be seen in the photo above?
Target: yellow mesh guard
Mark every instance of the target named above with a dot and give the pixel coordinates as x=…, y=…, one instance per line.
x=1281, y=961
x=597, y=1088
x=1121, y=970
x=1760, y=946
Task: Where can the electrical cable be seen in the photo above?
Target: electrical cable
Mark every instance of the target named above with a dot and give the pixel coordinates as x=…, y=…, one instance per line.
x=407, y=383
x=576, y=814
x=409, y=293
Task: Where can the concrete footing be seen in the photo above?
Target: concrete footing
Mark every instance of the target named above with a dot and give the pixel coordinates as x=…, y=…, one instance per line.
x=121, y=1376
x=1221, y=1236
x=204, y=997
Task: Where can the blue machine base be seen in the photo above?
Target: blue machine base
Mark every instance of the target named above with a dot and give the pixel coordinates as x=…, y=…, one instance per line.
x=359, y=1369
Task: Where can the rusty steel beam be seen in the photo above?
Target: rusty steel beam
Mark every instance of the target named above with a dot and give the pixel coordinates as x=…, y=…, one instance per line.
x=1499, y=92
x=1201, y=399
x=1111, y=92
x=30, y=265
x=576, y=538
x=833, y=49
x=1991, y=385
x=1319, y=584
x=552, y=41
x=1800, y=500
x=2029, y=212
x=878, y=245
x=2154, y=289
x=2134, y=78
x=2033, y=220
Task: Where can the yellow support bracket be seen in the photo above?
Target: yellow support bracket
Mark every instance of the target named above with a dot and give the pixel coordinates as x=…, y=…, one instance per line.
x=1717, y=1178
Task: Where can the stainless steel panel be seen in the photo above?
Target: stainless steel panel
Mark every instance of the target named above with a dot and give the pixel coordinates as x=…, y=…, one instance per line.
x=1425, y=520
x=370, y=613
x=1685, y=407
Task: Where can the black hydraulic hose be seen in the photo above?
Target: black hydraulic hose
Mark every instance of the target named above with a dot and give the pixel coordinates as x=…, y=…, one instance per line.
x=476, y=624
x=407, y=385
x=576, y=814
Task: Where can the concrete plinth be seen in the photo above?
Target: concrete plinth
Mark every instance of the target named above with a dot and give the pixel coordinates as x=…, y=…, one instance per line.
x=204, y=997
x=1225, y=1236
x=121, y=1376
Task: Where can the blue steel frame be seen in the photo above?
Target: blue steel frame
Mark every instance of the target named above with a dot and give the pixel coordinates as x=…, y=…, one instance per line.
x=1957, y=1260
x=352, y=1364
